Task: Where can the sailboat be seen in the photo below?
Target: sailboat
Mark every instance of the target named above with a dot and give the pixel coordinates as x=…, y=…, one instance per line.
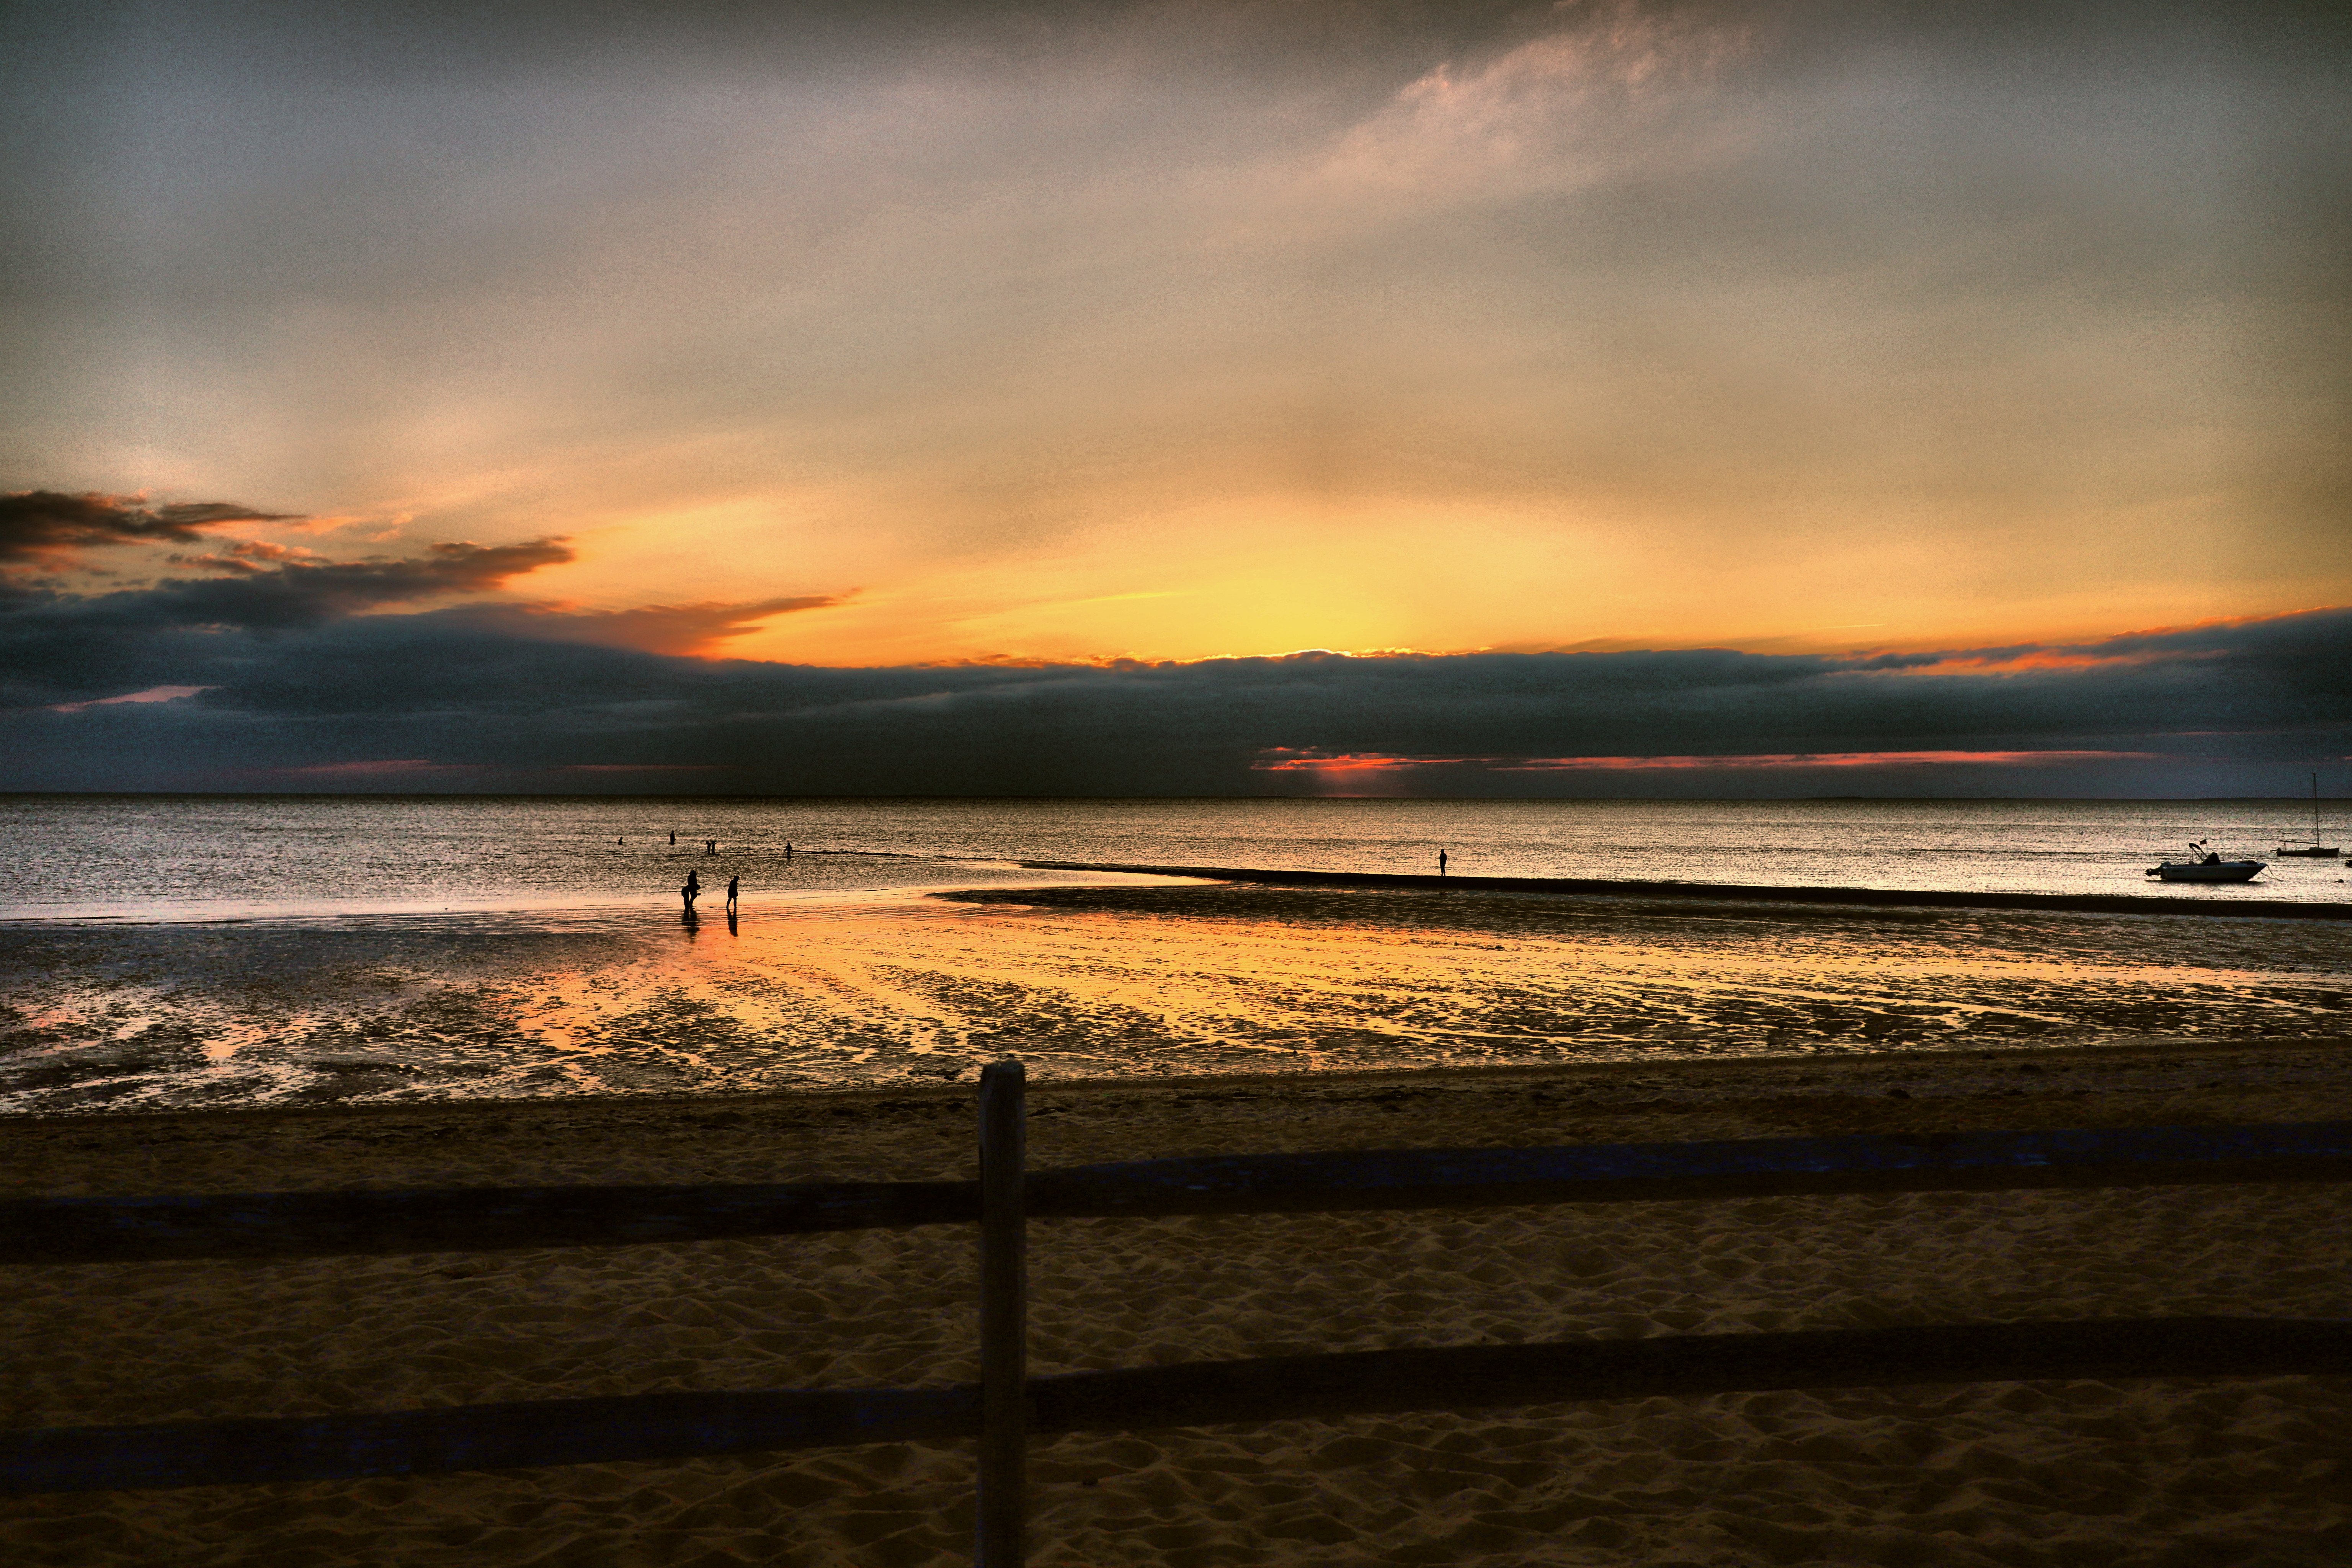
x=2318, y=851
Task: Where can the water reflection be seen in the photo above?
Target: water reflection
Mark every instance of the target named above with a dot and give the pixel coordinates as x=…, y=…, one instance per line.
x=193, y=857
x=1106, y=982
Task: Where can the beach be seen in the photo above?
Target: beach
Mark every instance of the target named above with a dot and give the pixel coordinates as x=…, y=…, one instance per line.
x=833, y=1034
x=1638, y=625
x=2138, y=1472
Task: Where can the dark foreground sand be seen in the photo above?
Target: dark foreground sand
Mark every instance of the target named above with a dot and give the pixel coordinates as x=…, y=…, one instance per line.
x=2138, y=1473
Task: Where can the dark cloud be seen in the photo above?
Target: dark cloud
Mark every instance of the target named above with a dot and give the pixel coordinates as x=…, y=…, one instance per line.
x=48, y=525
x=654, y=628
x=301, y=593
x=469, y=697
x=59, y=647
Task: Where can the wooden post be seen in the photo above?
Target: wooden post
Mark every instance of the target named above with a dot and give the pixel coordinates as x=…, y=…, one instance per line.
x=1004, y=1319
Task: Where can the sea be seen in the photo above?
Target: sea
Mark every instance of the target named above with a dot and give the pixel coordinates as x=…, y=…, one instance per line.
x=178, y=952
x=194, y=858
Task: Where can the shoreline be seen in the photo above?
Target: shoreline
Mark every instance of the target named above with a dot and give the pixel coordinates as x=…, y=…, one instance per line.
x=618, y=906
x=2091, y=903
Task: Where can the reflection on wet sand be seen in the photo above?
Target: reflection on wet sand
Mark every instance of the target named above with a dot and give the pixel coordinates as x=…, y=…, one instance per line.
x=1100, y=982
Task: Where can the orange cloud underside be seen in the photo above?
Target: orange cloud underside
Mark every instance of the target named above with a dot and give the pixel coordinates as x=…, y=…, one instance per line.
x=1281, y=760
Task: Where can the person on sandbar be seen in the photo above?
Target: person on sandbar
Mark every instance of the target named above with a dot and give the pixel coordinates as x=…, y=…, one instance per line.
x=732, y=883
x=691, y=891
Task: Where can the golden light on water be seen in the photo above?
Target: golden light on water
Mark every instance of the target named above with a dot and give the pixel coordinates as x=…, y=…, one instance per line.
x=1155, y=981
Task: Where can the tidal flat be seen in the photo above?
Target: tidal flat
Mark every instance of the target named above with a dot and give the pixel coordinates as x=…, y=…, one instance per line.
x=1088, y=983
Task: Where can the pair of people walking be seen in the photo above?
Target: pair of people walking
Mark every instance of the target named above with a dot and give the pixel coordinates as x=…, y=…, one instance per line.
x=693, y=890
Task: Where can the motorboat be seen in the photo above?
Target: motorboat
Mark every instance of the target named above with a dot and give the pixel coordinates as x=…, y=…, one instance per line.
x=2318, y=851
x=2205, y=865
x=2212, y=868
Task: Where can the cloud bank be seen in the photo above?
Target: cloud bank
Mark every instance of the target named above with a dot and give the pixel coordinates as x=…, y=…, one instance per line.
x=291, y=675
x=47, y=527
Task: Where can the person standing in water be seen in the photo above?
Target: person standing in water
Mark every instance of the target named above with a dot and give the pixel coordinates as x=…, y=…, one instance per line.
x=732, y=883
x=691, y=891
x=1441, y=862
x=673, y=838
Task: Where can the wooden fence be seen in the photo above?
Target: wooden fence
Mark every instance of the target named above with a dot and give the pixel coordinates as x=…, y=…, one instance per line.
x=1007, y=1407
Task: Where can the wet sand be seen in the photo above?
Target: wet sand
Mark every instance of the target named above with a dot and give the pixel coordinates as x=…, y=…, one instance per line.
x=2224, y=900
x=2123, y=1473
x=1101, y=982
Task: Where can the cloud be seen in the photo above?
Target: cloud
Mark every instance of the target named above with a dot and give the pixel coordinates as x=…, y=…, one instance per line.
x=686, y=629
x=67, y=650
x=1883, y=310
x=248, y=555
x=302, y=592
x=1557, y=111
x=152, y=694
x=459, y=697
x=50, y=526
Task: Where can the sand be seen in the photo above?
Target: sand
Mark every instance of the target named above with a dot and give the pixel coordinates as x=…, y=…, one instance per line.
x=2123, y=1473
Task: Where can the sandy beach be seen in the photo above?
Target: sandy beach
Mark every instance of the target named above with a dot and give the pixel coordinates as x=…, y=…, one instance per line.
x=2019, y=1473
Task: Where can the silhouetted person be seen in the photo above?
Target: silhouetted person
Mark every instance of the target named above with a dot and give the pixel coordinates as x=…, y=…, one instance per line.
x=788, y=848
x=711, y=847
x=732, y=882
x=691, y=891
x=1441, y=862
x=673, y=838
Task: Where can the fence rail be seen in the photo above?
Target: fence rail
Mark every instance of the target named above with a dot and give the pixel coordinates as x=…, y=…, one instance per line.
x=1007, y=1407
x=536, y=1432
x=477, y=1219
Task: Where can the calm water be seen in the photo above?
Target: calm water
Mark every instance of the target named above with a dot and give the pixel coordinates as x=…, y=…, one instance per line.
x=214, y=856
x=166, y=953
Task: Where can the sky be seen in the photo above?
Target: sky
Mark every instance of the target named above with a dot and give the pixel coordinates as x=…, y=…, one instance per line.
x=1483, y=398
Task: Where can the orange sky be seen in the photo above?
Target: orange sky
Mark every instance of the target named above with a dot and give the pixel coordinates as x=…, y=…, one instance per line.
x=1168, y=332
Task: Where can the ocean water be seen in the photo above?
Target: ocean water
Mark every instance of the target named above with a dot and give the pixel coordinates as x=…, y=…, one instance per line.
x=178, y=952
x=215, y=857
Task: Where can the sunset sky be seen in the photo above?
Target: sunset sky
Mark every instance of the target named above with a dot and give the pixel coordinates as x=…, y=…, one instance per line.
x=927, y=362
